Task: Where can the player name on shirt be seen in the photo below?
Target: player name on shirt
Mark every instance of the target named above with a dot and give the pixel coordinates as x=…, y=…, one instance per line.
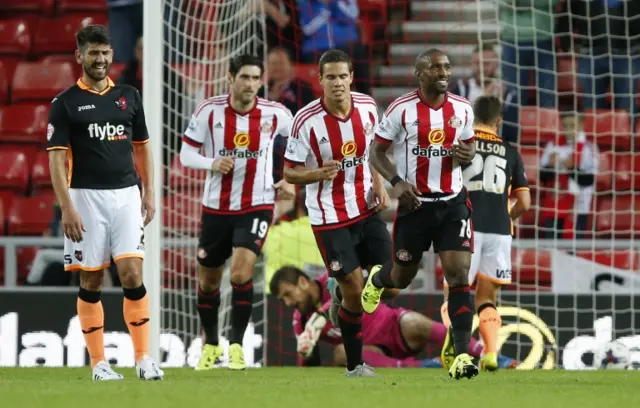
x=248, y=137
x=423, y=137
x=98, y=130
x=319, y=136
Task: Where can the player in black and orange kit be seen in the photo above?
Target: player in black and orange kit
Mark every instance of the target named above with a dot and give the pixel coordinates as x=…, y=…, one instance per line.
x=495, y=174
x=100, y=127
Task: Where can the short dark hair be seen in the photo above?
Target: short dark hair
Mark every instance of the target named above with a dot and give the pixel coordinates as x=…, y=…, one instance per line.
x=487, y=109
x=484, y=47
x=289, y=274
x=426, y=55
x=243, y=60
x=334, y=55
x=92, y=34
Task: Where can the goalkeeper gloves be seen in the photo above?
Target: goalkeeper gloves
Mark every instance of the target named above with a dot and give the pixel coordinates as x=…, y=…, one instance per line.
x=311, y=334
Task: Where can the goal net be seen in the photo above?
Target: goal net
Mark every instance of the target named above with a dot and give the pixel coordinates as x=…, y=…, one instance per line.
x=569, y=103
x=201, y=36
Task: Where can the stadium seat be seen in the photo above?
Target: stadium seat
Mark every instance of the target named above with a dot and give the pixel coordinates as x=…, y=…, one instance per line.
x=40, y=175
x=566, y=75
x=624, y=177
x=116, y=70
x=531, y=267
x=605, y=172
x=531, y=160
x=15, y=162
x=33, y=81
x=182, y=212
x=2, y=218
x=609, y=129
x=25, y=256
x=24, y=123
x=185, y=178
x=43, y=6
x=539, y=125
x=618, y=216
x=57, y=34
x=30, y=215
x=5, y=78
x=6, y=198
x=628, y=259
x=180, y=266
x=309, y=73
x=82, y=5
x=15, y=37
x=70, y=58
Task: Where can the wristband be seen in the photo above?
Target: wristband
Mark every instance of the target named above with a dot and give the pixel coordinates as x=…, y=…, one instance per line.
x=395, y=180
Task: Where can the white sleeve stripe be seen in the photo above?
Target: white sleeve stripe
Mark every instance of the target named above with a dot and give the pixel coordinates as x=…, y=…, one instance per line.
x=302, y=118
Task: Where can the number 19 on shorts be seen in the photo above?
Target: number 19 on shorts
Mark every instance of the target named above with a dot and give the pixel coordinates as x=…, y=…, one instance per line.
x=259, y=228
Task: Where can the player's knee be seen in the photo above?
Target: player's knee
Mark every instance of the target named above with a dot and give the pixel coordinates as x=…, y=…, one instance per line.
x=210, y=278
x=130, y=272
x=405, y=276
x=415, y=329
x=456, y=267
x=486, y=292
x=242, y=263
x=91, y=281
x=339, y=355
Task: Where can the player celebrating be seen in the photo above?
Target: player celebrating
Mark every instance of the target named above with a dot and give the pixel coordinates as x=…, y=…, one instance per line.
x=391, y=336
x=328, y=152
x=432, y=133
x=496, y=171
x=236, y=132
x=97, y=125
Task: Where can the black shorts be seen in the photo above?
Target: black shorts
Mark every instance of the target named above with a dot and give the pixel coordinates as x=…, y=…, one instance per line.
x=364, y=243
x=220, y=233
x=445, y=224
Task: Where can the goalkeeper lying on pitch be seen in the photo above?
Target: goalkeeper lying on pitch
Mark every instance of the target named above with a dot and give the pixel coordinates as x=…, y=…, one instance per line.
x=391, y=336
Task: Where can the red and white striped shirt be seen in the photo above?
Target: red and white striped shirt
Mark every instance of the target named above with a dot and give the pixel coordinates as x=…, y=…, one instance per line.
x=423, y=137
x=318, y=136
x=221, y=131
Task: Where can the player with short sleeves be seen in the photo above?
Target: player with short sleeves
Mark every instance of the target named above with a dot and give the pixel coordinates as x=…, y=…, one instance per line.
x=431, y=132
x=495, y=174
x=328, y=152
x=232, y=137
x=99, y=128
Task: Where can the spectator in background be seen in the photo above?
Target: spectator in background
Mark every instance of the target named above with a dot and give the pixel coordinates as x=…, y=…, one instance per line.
x=569, y=167
x=484, y=81
x=526, y=32
x=330, y=24
x=605, y=36
x=173, y=101
x=282, y=27
x=125, y=25
x=284, y=87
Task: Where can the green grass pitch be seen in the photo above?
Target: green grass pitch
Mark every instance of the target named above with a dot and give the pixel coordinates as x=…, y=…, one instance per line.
x=318, y=387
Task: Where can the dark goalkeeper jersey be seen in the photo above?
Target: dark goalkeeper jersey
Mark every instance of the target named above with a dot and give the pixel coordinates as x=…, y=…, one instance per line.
x=98, y=129
x=494, y=174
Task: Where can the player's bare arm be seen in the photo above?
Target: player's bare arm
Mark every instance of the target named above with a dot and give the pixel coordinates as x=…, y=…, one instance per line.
x=71, y=220
x=521, y=206
x=407, y=193
x=300, y=175
x=222, y=165
x=379, y=190
x=464, y=152
x=285, y=190
x=144, y=163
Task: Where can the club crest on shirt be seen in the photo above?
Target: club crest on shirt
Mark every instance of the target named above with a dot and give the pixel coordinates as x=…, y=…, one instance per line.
x=266, y=127
x=50, y=130
x=292, y=146
x=368, y=129
x=455, y=122
x=121, y=103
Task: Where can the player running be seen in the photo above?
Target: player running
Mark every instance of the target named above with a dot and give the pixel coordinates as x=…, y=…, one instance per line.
x=495, y=172
x=432, y=134
x=391, y=336
x=236, y=132
x=328, y=152
x=100, y=128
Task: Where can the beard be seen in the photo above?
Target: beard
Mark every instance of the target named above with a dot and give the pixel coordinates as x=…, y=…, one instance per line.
x=93, y=73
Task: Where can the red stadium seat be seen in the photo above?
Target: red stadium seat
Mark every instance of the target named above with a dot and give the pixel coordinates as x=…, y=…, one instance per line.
x=82, y=5
x=2, y=218
x=40, y=175
x=6, y=199
x=624, y=177
x=309, y=73
x=30, y=215
x=5, y=78
x=15, y=165
x=185, y=178
x=34, y=81
x=618, y=216
x=15, y=37
x=44, y=6
x=609, y=129
x=57, y=35
x=70, y=58
x=531, y=266
x=531, y=160
x=605, y=173
x=621, y=259
x=182, y=212
x=24, y=123
x=116, y=70
x=566, y=75
x=539, y=125
x=180, y=266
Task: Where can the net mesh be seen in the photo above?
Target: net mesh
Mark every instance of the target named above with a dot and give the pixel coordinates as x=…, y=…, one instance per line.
x=574, y=254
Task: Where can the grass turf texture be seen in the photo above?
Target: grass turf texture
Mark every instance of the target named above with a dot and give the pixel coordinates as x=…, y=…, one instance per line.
x=318, y=387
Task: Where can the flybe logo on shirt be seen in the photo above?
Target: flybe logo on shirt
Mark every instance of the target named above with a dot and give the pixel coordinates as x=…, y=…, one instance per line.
x=241, y=150
x=107, y=131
